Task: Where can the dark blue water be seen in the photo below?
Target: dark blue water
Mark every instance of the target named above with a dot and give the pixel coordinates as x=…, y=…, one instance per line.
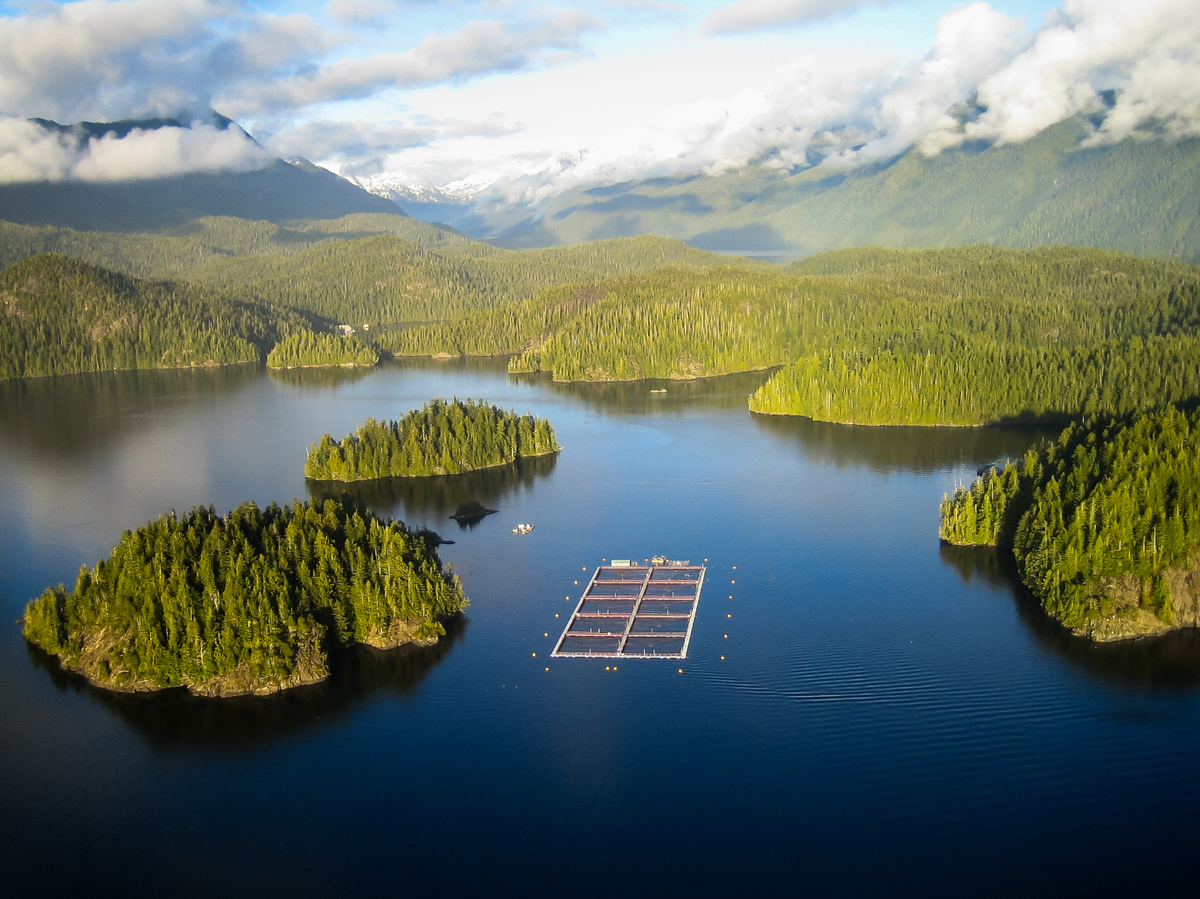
x=862, y=711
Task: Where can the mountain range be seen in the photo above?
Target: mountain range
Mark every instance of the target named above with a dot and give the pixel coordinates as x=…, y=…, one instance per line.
x=1140, y=195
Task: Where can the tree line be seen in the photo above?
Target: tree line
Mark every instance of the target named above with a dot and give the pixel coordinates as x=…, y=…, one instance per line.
x=1112, y=498
x=361, y=269
x=58, y=316
x=311, y=349
x=246, y=602
x=440, y=438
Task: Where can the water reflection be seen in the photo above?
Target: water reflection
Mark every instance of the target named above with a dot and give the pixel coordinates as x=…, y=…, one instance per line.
x=906, y=449
x=1169, y=662
x=174, y=719
x=70, y=415
x=440, y=497
x=317, y=378
x=640, y=398
x=981, y=563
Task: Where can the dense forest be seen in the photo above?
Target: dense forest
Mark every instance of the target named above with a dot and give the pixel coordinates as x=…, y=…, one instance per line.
x=440, y=438
x=362, y=269
x=1104, y=523
x=871, y=336
x=937, y=337
x=308, y=349
x=249, y=602
x=58, y=315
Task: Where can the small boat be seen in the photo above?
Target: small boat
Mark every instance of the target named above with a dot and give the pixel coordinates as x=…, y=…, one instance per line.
x=523, y=529
x=658, y=390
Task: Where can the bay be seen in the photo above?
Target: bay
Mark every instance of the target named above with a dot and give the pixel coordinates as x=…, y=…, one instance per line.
x=862, y=710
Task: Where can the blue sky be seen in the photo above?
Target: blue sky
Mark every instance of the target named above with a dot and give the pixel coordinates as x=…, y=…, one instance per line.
x=531, y=98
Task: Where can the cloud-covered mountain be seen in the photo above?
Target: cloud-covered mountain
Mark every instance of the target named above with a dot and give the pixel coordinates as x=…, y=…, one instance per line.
x=1137, y=195
x=156, y=173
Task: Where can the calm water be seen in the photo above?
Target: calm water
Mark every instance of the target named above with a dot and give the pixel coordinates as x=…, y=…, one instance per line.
x=862, y=711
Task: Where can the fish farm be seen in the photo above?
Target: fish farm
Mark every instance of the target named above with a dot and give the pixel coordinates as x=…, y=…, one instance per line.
x=632, y=611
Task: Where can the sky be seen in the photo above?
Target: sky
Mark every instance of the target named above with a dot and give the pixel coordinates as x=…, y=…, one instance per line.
x=526, y=99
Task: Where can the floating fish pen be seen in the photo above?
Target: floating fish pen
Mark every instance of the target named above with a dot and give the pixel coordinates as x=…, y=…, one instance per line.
x=632, y=611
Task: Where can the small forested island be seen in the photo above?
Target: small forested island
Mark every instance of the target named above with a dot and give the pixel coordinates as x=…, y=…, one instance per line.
x=1104, y=523
x=249, y=602
x=440, y=438
x=308, y=349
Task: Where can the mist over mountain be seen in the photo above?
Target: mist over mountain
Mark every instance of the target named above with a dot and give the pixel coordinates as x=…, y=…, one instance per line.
x=1138, y=195
x=147, y=174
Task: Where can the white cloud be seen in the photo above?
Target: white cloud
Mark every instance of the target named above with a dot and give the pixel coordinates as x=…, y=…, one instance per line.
x=29, y=152
x=845, y=110
x=760, y=15
x=1148, y=51
x=329, y=140
x=358, y=12
x=479, y=47
x=970, y=45
x=839, y=108
x=107, y=59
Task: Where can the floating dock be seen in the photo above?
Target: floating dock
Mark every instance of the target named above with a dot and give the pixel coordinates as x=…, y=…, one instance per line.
x=632, y=611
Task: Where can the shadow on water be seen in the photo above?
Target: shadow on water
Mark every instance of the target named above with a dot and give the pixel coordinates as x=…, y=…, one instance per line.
x=1167, y=663
x=494, y=365
x=174, y=719
x=440, y=497
x=900, y=448
x=69, y=415
x=637, y=398
x=316, y=378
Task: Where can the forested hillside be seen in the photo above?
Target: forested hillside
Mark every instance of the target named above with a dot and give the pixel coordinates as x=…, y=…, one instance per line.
x=440, y=438
x=1104, y=523
x=362, y=269
x=960, y=337
x=249, y=602
x=60, y=316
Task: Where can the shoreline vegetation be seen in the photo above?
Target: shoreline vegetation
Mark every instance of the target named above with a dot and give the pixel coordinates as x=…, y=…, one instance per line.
x=60, y=316
x=952, y=337
x=441, y=438
x=1103, y=523
x=308, y=349
x=246, y=603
